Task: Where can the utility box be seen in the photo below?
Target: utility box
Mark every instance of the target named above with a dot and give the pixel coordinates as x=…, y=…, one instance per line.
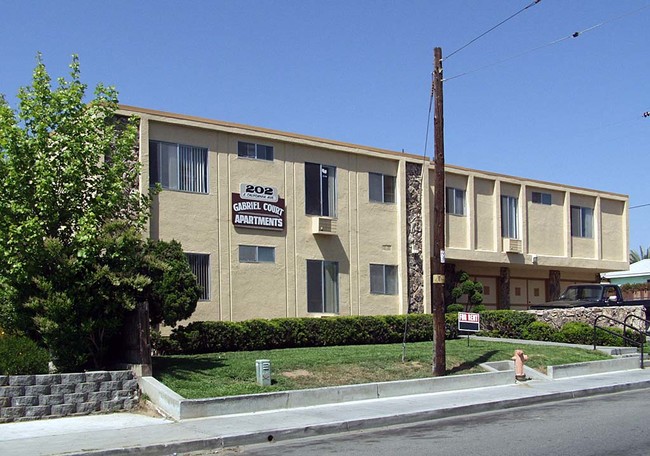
x=263, y=369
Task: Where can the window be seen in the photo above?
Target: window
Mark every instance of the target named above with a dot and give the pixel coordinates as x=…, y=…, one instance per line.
x=542, y=198
x=322, y=286
x=382, y=187
x=256, y=254
x=320, y=190
x=455, y=201
x=258, y=151
x=582, y=221
x=509, y=228
x=178, y=167
x=200, y=265
x=383, y=279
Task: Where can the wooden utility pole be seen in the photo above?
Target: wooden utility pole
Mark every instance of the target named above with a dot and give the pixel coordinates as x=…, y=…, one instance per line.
x=438, y=288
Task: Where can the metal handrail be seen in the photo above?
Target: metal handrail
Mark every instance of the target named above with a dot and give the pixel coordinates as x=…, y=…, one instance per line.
x=644, y=320
x=625, y=338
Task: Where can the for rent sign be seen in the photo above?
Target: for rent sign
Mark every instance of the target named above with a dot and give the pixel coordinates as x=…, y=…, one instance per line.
x=260, y=213
x=468, y=321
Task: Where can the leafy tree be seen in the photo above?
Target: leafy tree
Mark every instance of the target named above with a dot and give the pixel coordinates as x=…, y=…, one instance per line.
x=640, y=255
x=80, y=305
x=72, y=259
x=465, y=286
x=174, y=292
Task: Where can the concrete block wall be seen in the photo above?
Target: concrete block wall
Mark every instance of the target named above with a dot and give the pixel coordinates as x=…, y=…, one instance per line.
x=30, y=397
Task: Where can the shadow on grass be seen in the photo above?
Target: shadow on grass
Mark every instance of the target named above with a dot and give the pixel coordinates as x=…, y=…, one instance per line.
x=469, y=364
x=185, y=368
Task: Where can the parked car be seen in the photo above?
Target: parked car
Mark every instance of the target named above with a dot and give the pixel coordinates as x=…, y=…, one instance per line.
x=591, y=295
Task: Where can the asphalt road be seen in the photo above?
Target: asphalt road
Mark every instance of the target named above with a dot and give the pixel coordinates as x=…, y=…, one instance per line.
x=615, y=424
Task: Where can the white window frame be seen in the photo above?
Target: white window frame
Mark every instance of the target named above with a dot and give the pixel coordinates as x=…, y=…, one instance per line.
x=509, y=217
x=582, y=222
x=455, y=202
x=256, y=254
x=244, y=150
x=322, y=286
x=178, y=167
x=382, y=188
x=315, y=202
x=383, y=279
x=200, y=265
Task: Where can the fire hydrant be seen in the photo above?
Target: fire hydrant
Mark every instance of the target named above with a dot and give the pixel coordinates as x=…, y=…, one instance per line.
x=520, y=358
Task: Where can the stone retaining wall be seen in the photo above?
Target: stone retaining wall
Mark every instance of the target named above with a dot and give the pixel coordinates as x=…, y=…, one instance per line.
x=558, y=317
x=29, y=397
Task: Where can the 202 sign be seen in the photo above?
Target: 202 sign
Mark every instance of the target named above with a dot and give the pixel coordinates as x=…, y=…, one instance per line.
x=258, y=192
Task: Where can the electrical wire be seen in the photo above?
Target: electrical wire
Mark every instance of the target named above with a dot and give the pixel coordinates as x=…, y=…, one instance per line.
x=640, y=205
x=535, y=49
x=426, y=139
x=535, y=2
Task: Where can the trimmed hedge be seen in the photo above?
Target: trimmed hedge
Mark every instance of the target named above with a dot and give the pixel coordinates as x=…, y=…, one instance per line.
x=225, y=336
x=505, y=323
x=513, y=324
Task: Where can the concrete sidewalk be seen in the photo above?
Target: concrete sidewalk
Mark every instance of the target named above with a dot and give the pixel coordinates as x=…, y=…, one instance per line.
x=127, y=433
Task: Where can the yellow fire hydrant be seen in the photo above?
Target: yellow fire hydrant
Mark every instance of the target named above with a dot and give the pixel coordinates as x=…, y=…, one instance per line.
x=520, y=358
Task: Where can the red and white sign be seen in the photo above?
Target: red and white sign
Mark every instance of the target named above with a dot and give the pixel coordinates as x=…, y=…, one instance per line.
x=468, y=321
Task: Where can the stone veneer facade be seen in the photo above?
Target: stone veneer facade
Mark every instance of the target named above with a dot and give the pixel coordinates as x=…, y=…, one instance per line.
x=414, y=244
x=558, y=317
x=30, y=397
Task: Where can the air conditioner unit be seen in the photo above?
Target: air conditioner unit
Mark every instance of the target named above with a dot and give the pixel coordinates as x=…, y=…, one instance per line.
x=513, y=245
x=323, y=225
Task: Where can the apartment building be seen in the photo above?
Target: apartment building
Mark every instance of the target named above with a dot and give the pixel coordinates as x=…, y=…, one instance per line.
x=278, y=224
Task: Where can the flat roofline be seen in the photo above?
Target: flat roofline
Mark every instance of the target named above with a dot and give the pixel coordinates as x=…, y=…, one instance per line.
x=330, y=142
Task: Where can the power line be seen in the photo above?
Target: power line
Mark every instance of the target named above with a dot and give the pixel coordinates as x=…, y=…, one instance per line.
x=535, y=2
x=640, y=205
x=426, y=139
x=572, y=35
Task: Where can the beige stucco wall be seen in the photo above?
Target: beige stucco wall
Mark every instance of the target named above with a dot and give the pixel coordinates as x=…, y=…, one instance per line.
x=546, y=224
x=367, y=232
x=613, y=223
x=485, y=219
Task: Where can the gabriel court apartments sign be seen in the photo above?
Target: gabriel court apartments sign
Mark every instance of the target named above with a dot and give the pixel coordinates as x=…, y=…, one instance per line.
x=257, y=206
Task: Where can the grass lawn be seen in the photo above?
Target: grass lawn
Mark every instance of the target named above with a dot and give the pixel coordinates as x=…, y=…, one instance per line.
x=232, y=373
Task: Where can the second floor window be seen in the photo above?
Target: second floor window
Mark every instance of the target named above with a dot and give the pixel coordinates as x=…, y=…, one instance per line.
x=455, y=201
x=178, y=166
x=320, y=190
x=381, y=188
x=582, y=222
x=542, y=198
x=509, y=223
x=258, y=151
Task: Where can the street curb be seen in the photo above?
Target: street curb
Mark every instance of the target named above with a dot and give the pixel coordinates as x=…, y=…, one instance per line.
x=278, y=434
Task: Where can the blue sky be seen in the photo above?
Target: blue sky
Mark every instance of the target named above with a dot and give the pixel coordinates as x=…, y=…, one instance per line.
x=360, y=71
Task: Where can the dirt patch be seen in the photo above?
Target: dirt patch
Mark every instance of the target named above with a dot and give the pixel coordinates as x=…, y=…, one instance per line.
x=297, y=373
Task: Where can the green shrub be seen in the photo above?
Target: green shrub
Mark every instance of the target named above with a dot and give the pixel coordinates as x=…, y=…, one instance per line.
x=21, y=356
x=215, y=336
x=539, y=330
x=582, y=333
x=505, y=323
x=455, y=308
